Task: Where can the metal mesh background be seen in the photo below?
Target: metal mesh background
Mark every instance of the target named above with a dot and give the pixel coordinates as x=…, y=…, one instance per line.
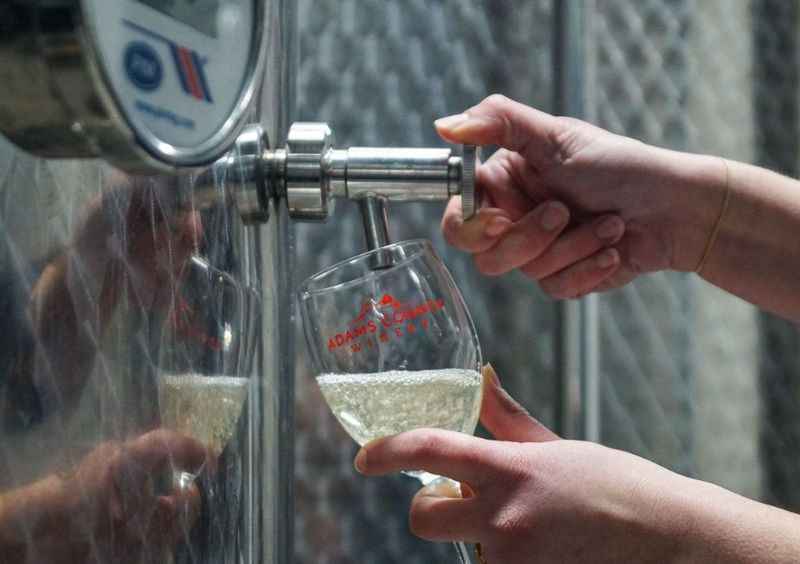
x=691, y=377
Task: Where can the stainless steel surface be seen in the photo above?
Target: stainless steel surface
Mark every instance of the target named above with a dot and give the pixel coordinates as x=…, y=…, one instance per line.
x=57, y=100
x=310, y=172
x=375, y=216
x=304, y=179
x=579, y=401
x=120, y=308
x=374, y=212
x=402, y=175
x=271, y=520
x=243, y=170
x=470, y=198
x=112, y=283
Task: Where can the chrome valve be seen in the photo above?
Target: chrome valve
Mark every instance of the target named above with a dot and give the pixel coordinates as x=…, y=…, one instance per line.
x=311, y=173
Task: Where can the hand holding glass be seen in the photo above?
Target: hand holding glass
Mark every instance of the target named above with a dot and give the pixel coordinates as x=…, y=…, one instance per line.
x=393, y=345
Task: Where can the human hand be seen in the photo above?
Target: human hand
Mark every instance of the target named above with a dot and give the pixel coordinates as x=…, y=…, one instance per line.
x=110, y=503
x=136, y=237
x=531, y=497
x=575, y=207
x=132, y=242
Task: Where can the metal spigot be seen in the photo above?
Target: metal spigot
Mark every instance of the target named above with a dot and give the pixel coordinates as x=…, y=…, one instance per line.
x=311, y=173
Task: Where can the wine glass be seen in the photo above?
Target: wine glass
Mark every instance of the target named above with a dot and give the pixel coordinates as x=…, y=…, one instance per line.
x=202, y=385
x=393, y=346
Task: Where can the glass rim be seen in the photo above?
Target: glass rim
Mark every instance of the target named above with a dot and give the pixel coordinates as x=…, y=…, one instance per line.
x=304, y=290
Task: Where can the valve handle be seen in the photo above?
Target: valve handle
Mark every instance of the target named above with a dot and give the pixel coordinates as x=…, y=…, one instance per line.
x=470, y=202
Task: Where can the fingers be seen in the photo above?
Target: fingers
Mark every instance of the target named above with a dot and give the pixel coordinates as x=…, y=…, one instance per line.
x=498, y=120
x=167, y=522
x=445, y=453
x=506, y=181
x=176, y=514
x=526, y=240
x=157, y=448
x=576, y=245
x=479, y=233
x=438, y=518
x=583, y=277
x=621, y=277
x=505, y=418
x=567, y=264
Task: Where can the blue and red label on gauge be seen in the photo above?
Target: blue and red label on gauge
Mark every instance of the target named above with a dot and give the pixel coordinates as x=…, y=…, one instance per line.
x=145, y=69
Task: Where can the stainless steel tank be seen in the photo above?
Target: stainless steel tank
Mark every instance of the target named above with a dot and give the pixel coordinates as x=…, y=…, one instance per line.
x=121, y=297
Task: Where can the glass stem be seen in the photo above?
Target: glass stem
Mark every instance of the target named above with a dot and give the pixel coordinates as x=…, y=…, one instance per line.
x=463, y=552
x=454, y=488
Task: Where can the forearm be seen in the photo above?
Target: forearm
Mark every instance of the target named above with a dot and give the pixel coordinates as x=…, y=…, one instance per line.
x=68, y=322
x=727, y=528
x=756, y=255
x=30, y=513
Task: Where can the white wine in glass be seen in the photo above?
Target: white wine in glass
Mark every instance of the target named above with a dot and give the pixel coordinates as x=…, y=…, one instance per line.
x=370, y=406
x=393, y=346
x=205, y=408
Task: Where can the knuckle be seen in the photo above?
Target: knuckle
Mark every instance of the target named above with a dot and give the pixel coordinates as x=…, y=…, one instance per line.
x=568, y=122
x=473, y=458
x=505, y=522
x=517, y=467
x=497, y=100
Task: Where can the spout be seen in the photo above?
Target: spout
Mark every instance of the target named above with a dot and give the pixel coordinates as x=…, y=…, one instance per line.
x=375, y=215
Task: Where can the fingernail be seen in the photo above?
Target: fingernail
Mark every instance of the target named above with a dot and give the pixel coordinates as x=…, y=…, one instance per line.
x=491, y=374
x=450, y=122
x=497, y=226
x=553, y=216
x=608, y=258
x=610, y=228
x=442, y=489
x=360, y=461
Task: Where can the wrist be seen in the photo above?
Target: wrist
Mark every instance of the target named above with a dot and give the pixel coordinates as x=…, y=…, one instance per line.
x=695, y=188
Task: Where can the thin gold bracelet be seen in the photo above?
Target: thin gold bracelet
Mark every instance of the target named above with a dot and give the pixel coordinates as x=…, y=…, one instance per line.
x=718, y=225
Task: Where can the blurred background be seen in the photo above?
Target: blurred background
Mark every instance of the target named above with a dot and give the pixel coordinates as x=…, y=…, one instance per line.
x=669, y=368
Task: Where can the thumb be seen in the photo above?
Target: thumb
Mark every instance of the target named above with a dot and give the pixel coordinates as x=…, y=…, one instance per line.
x=498, y=120
x=505, y=418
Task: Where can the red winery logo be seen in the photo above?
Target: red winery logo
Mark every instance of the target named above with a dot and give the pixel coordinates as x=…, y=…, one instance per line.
x=384, y=319
x=387, y=301
x=182, y=320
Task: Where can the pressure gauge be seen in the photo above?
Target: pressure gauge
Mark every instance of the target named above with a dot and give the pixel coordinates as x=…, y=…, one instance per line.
x=149, y=85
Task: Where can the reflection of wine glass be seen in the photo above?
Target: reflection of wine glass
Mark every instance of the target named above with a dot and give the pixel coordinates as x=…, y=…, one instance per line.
x=393, y=345
x=202, y=359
